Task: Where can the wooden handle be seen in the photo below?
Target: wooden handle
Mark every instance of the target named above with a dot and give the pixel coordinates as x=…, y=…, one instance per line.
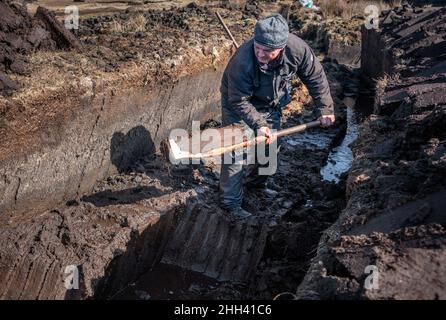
x=244, y=144
x=260, y=139
x=298, y=128
x=227, y=30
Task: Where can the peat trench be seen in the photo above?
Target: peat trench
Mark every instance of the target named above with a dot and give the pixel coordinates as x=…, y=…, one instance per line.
x=151, y=230
x=207, y=255
x=136, y=227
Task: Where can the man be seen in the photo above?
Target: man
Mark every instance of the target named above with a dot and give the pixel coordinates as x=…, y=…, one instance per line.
x=256, y=86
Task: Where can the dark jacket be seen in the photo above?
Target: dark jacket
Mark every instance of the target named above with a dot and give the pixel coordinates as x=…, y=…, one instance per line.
x=246, y=89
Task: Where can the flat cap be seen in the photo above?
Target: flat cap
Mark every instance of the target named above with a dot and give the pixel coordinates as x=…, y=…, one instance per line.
x=272, y=31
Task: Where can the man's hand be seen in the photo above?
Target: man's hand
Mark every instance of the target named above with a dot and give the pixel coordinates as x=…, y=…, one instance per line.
x=327, y=120
x=265, y=131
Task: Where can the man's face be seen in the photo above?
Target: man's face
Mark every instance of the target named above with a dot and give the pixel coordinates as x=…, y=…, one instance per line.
x=265, y=54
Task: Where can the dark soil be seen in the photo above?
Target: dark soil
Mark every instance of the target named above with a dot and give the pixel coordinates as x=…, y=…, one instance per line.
x=21, y=34
x=395, y=216
x=154, y=231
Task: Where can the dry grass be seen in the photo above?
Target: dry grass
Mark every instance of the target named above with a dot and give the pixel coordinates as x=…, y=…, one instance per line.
x=116, y=27
x=135, y=24
x=350, y=8
x=64, y=71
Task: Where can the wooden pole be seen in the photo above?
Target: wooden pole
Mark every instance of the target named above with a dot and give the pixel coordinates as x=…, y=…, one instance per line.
x=226, y=29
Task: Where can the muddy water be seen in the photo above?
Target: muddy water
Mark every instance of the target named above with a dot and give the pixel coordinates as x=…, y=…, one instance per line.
x=317, y=140
x=341, y=158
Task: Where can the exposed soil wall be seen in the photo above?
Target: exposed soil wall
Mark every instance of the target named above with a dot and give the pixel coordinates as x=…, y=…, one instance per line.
x=122, y=227
x=89, y=112
x=105, y=134
x=395, y=216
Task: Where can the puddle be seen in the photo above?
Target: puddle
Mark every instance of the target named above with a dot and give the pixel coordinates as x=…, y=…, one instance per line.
x=340, y=158
x=310, y=140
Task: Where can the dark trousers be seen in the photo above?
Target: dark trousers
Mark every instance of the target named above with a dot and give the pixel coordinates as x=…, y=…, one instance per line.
x=233, y=175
